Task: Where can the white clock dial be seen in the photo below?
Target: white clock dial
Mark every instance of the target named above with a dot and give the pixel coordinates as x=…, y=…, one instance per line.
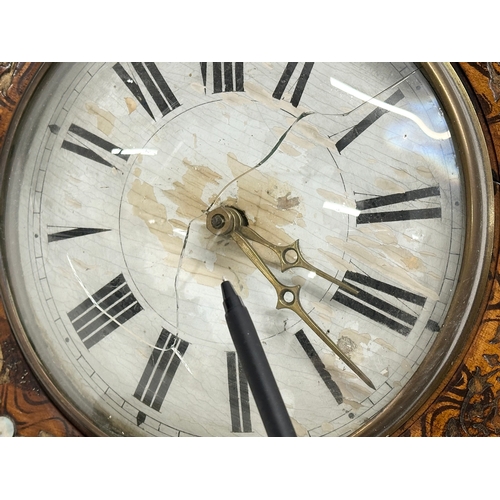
x=114, y=171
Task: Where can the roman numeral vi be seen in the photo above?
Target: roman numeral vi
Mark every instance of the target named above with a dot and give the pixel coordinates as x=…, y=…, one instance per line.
x=239, y=395
x=160, y=370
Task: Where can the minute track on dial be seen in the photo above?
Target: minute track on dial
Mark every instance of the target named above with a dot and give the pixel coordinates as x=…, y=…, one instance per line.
x=229, y=221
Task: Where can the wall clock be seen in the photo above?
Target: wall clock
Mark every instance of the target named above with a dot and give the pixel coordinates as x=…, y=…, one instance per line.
x=359, y=198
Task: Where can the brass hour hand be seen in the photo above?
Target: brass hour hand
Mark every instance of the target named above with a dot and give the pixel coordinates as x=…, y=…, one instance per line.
x=229, y=221
x=290, y=256
x=226, y=220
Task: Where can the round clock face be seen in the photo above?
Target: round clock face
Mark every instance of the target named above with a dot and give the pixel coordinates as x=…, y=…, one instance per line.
x=114, y=267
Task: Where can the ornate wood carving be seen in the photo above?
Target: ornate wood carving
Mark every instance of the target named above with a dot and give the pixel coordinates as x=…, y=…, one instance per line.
x=21, y=397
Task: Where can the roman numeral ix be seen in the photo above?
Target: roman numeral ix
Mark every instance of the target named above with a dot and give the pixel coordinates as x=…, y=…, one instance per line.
x=95, y=141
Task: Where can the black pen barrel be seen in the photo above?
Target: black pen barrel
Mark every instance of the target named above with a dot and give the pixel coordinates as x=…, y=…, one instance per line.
x=257, y=370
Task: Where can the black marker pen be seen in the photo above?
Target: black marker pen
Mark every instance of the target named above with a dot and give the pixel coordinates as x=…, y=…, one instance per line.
x=257, y=370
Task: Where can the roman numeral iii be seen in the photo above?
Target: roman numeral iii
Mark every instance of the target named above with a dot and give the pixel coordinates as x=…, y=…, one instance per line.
x=378, y=309
x=396, y=199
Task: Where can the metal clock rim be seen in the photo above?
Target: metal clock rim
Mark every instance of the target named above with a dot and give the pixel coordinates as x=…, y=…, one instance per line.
x=470, y=296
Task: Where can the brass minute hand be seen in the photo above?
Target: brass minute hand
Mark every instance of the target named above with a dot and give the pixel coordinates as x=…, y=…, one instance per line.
x=288, y=296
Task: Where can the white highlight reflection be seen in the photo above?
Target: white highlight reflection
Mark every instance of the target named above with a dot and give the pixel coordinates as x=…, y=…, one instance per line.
x=440, y=136
x=343, y=209
x=134, y=151
x=180, y=232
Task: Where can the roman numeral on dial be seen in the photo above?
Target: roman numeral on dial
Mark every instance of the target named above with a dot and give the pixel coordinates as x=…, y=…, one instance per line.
x=227, y=77
x=78, y=133
x=320, y=367
x=160, y=370
x=377, y=309
x=74, y=233
x=154, y=84
x=239, y=395
x=300, y=84
x=111, y=306
x=369, y=120
x=398, y=215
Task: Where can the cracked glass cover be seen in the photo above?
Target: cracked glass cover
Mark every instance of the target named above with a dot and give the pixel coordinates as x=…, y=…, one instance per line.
x=114, y=169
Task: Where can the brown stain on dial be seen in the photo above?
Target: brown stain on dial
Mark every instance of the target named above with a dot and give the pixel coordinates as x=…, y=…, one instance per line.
x=338, y=198
x=131, y=104
x=154, y=214
x=261, y=197
x=187, y=195
x=286, y=203
x=230, y=261
x=269, y=204
x=105, y=119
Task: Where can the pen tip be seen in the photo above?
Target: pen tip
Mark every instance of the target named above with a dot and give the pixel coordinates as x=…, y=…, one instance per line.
x=230, y=298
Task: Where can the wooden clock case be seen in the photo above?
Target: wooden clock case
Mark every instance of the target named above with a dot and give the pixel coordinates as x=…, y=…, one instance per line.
x=467, y=402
